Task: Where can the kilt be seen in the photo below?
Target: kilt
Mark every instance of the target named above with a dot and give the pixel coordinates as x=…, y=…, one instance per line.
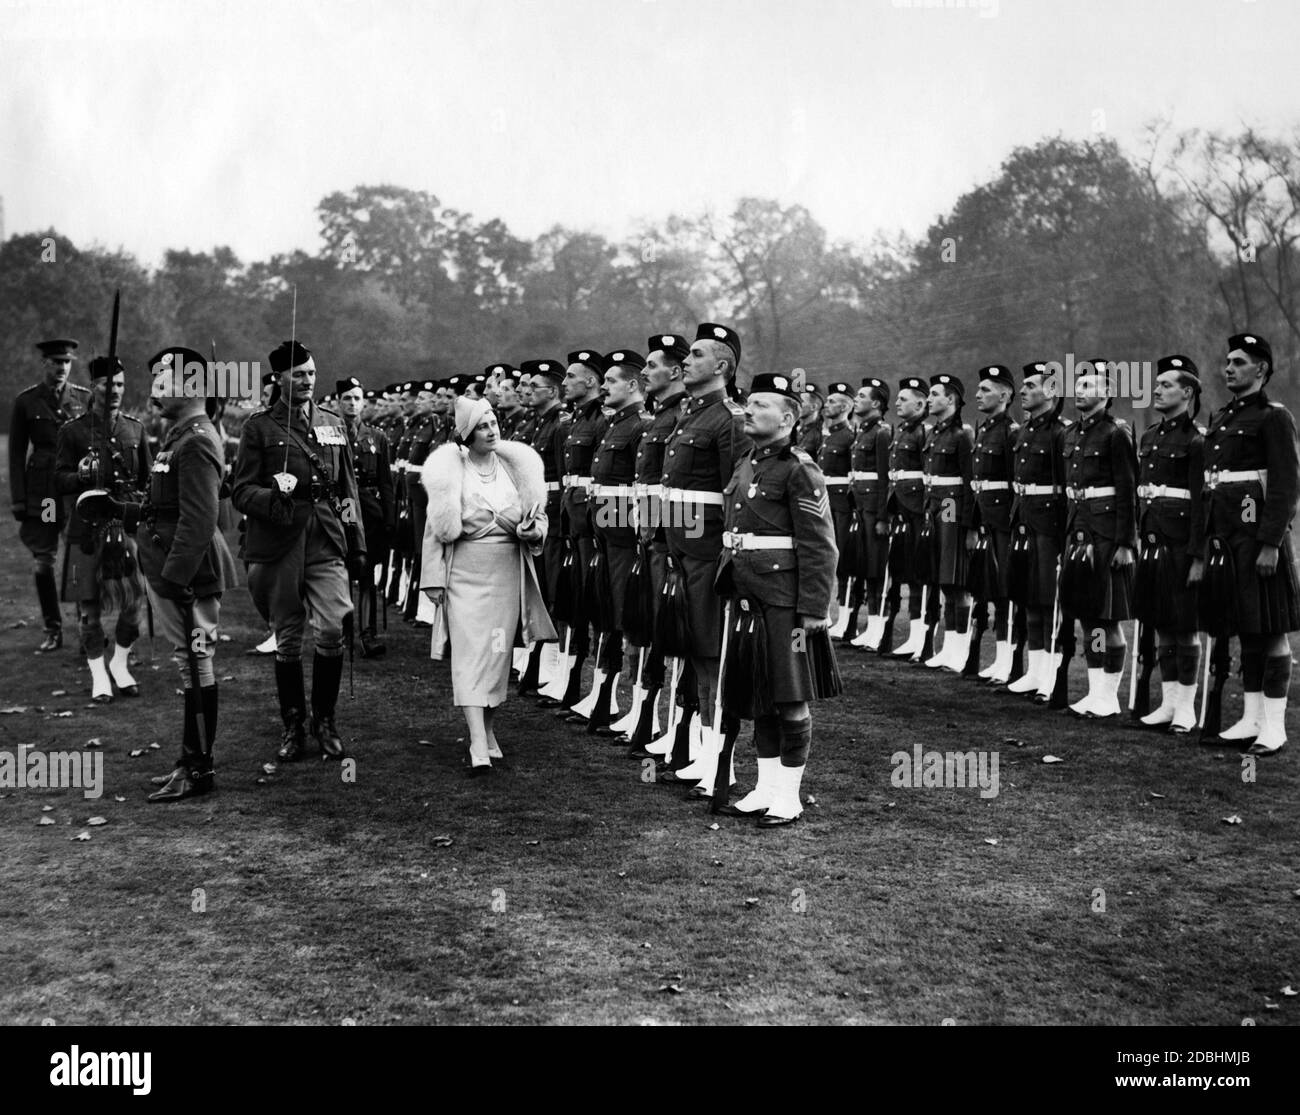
x=783, y=676
x=843, y=521
x=81, y=580
x=1090, y=588
x=904, y=547
x=871, y=551
x=548, y=566
x=1236, y=600
x=1161, y=598
x=988, y=569
x=704, y=605
x=1031, y=568
x=945, y=560
x=618, y=567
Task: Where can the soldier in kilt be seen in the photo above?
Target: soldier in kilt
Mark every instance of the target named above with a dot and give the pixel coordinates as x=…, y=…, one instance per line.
x=1251, y=489
x=1101, y=536
x=778, y=567
x=810, y=419
x=1171, y=540
x=1038, y=530
x=835, y=460
x=992, y=474
x=104, y=449
x=869, y=477
x=949, y=510
x=907, y=513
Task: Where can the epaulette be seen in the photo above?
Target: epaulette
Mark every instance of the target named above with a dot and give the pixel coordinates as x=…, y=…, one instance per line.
x=1274, y=403
x=1199, y=428
x=1066, y=422
x=967, y=428
x=801, y=455
x=734, y=407
x=129, y=417
x=328, y=410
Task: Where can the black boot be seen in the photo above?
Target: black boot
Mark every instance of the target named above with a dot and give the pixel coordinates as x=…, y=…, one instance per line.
x=680, y=756
x=573, y=692
x=528, y=683
x=47, y=593
x=209, y=701
x=326, y=673
x=887, y=635
x=1017, y=662
x=972, y=666
x=293, y=708
x=601, y=717
x=193, y=774
x=642, y=733
x=1060, y=697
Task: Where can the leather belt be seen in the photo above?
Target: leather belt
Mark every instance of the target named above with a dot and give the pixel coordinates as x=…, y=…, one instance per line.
x=906, y=474
x=738, y=542
x=1077, y=494
x=615, y=490
x=1036, y=489
x=859, y=475
x=684, y=495
x=978, y=486
x=645, y=490
x=573, y=480
x=943, y=481
x=552, y=485
x=1163, y=491
x=836, y=481
x=1214, y=477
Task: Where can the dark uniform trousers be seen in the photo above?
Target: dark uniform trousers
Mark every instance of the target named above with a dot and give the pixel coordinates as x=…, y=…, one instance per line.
x=1101, y=487
x=907, y=515
x=124, y=460
x=992, y=477
x=378, y=514
x=778, y=560
x=584, y=434
x=427, y=434
x=549, y=433
x=297, y=545
x=1038, y=512
x=38, y=414
x=869, y=480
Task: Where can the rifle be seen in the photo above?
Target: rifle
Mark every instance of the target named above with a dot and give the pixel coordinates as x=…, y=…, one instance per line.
x=1139, y=695
x=1061, y=686
x=1219, y=664
x=971, y=668
x=722, y=775
x=349, y=633
x=192, y=660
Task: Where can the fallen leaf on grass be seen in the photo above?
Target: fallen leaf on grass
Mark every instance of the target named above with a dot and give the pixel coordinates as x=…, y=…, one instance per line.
x=136, y=753
x=67, y=712
x=261, y=781
x=228, y=677
x=118, y=797
x=1270, y=1005
x=269, y=768
x=622, y=874
x=19, y=623
x=80, y=836
x=95, y=742
x=1154, y=794
x=1014, y=742
x=97, y=821
x=47, y=809
x=1235, y=819
x=444, y=841
x=1052, y=759
x=424, y=742
x=991, y=840
x=59, y=693
x=46, y=821
x=223, y=638
x=713, y=827
x=13, y=710
x=751, y=901
x=810, y=800
x=155, y=746
x=532, y=843
x=1288, y=991
x=671, y=988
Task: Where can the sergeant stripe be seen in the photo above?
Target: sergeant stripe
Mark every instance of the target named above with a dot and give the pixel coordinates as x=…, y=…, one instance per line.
x=820, y=507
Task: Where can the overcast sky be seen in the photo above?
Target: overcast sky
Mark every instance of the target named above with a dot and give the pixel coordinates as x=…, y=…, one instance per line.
x=190, y=123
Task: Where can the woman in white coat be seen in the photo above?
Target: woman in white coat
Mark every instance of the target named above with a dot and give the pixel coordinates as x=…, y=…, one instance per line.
x=486, y=521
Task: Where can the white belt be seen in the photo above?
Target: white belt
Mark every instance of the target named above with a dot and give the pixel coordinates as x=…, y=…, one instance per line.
x=615, y=490
x=978, y=486
x=552, y=485
x=1163, y=491
x=683, y=495
x=644, y=490
x=1213, y=477
x=734, y=541
x=906, y=474
x=836, y=481
x=1036, y=489
x=573, y=480
x=1077, y=494
x=873, y=475
x=414, y=468
x=943, y=481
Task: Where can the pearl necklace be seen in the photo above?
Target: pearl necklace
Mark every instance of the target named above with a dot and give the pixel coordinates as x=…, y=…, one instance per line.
x=490, y=475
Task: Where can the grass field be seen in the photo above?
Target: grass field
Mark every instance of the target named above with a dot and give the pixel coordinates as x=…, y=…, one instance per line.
x=1106, y=888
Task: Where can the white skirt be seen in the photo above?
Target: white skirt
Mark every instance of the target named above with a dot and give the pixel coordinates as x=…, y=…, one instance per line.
x=482, y=618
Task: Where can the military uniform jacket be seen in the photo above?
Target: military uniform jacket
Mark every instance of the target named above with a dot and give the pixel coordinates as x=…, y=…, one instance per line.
x=1171, y=480
x=949, y=453
x=424, y=436
x=178, y=536
x=124, y=460
x=614, y=465
x=810, y=437
x=548, y=439
x=994, y=461
x=586, y=432
x=870, y=466
x=835, y=460
x=906, y=454
x=701, y=455
x=319, y=456
x=37, y=417
x=1248, y=434
x=1099, y=453
x=778, y=490
x=374, y=477
x=1040, y=462
x=650, y=464
x=394, y=429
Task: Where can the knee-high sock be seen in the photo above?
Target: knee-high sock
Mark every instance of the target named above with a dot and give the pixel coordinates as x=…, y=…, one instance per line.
x=796, y=739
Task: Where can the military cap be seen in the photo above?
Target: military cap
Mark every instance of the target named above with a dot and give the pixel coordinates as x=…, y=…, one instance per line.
x=268, y=378
x=499, y=370
x=590, y=358
x=370, y=394
x=626, y=357
x=670, y=344
x=875, y=384
x=1253, y=345
x=1101, y=367
x=64, y=347
x=840, y=388
x=547, y=369
x=996, y=373
x=289, y=354
x=425, y=385
x=812, y=389
x=943, y=379
x=348, y=384
x=709, y=331
x=412, y=387
x=774, y=384
x=105, y=367
x=913, y=383
x=1034, y=368
x=1177, y=363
